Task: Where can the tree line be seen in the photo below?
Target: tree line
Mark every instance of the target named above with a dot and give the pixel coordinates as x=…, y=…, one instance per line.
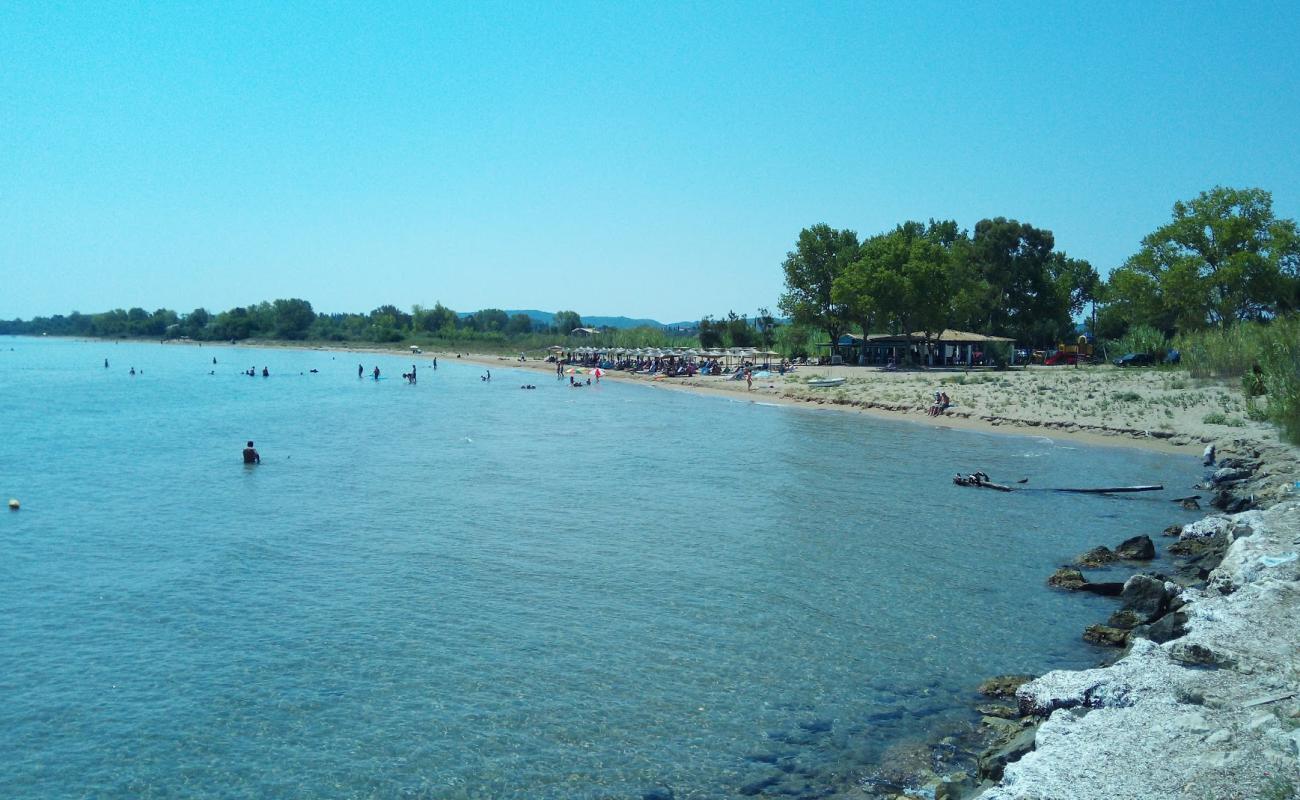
x=1223, y=258
x=293, y=319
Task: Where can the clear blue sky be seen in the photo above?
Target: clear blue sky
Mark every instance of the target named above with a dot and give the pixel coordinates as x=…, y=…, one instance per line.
x=650, y=160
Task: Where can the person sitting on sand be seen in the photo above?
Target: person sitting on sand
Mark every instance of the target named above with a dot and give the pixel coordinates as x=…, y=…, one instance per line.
x=250, y=455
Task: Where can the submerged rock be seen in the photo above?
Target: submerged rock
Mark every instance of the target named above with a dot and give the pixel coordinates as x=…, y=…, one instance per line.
x=1096, y=557
x=1139, y=548
x=1003, y=685
x=1105, y=636
x=1067, y=578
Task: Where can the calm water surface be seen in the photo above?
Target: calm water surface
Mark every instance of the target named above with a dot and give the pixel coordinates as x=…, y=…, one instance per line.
x=461, y=589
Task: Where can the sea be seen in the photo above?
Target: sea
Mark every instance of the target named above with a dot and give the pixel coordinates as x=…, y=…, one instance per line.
x=461, y=588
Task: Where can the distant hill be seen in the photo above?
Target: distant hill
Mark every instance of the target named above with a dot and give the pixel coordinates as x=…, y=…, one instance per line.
x=548, y=317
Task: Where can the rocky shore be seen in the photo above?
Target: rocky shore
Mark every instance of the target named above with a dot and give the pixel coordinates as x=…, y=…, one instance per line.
x=1205, y=702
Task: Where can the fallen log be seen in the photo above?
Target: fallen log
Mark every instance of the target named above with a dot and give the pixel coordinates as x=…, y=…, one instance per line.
x=1116, y=489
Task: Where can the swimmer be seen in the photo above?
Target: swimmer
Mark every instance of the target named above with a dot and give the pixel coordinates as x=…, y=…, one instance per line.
x=265, y=374
x=251, y=456
x=106, y=363
x=361, y=371
x=132, y=370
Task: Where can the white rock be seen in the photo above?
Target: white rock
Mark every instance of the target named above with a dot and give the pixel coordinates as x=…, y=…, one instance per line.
x=1205, y=528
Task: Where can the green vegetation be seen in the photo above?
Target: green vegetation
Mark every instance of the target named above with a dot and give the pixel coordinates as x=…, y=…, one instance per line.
x=1003, y=279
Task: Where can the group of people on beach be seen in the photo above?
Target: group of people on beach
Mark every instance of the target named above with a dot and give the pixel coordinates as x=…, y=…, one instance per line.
x=940, y=404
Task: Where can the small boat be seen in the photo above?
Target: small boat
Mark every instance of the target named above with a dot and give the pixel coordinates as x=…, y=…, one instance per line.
x=823, y=383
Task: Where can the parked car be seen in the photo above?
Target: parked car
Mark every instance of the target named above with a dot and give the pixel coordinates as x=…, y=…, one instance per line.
x=1135, y=360
x=1059, y=357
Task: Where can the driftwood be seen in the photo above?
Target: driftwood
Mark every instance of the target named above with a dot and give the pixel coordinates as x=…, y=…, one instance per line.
x=980, y=480
x=1116, y=489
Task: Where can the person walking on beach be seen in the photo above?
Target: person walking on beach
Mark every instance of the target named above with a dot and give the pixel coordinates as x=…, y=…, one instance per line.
x=749, y=380
x=250, y=455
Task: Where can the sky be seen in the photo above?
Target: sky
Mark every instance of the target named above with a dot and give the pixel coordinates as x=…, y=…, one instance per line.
x=642, y=159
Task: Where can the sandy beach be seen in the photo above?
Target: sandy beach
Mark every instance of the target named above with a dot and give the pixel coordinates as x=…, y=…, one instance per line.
x=1156, y=409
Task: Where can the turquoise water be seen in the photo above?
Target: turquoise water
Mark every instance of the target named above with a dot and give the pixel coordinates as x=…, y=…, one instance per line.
x=461, y=589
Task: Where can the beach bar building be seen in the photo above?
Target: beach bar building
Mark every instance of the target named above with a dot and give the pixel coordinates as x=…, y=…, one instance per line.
x=948, y=347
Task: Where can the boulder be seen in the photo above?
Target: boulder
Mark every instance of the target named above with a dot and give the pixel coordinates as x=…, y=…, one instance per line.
x=1139, y=548
x=1148, y=596
x=1067, y=578
x=1096, y=557
x=1226, y=474
x=1105, y=636
x=1172, y=530
x=1165, y=629
x=993, y=762
x=1124, y=619
x=1003, y=685
x=1205, y=528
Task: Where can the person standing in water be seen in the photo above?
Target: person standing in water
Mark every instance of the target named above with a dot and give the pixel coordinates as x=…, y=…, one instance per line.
x=106, y=363
x=265, y=374
x=250, y=455
x=376, y=372
x=361, y=371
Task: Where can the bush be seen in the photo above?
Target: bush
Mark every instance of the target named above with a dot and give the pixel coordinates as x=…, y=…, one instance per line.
x=1143, y=339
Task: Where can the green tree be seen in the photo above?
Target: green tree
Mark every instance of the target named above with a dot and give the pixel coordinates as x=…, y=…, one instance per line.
x=821, y=255
x=565, y=321
x=1010, y=263
x=519, y=324
x=1224, y=257
x=293, y=318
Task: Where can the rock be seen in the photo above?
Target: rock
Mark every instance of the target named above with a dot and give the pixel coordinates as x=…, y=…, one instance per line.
x=754, y=787
x=1124, y=618
x=1225, y=474
x=1105, y=588
x=1172, y=530
x=1165, y=629
x=993, y=762
x=1190, y=504
x=1067, y=578
x=1204, y=528
x=1000, y=710
x=1147, y=596
x=1105, y=636
x=1198, y=655
x=1003, y=685
x=1230, y=503
x=1139, y=548
x=1096, y=557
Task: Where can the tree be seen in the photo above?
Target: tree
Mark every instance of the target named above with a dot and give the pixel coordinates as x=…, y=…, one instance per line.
x=565, y=321
x=293, y=318
x=820, y=256
x=710, y=333
x=1224, y=257
x=766, y=325
x=519, y=324
x=1011, y=258
x=905, y=279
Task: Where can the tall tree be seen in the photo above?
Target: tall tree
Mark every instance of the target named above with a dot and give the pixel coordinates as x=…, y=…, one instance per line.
x=1011, y=258
x=1223, y=257
x=821, y=255
x=566, y=321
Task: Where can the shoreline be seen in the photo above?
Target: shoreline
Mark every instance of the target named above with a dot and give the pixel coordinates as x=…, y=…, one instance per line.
x=770, y=391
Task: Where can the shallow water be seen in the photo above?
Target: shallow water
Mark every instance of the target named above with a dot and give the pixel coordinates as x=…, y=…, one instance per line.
x=461, y=589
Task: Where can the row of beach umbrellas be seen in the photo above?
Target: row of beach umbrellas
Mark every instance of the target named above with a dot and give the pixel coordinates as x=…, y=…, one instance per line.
x=669, y=352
